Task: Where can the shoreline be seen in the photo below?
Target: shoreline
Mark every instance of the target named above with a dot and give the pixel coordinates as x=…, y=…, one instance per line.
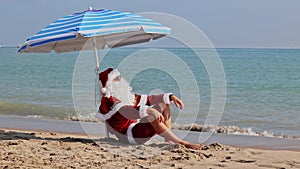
x=95, y=130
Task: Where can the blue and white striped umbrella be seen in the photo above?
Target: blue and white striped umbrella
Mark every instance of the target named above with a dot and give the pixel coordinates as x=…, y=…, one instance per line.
x=105, y=27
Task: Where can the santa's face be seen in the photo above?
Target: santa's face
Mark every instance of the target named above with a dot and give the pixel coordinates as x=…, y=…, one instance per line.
x=118, y=79
x=120, y=89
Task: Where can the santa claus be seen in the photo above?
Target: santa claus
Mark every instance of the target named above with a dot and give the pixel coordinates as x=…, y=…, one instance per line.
x=136, y=118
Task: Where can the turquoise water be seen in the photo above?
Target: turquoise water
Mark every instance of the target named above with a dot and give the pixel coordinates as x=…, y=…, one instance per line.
x=263, y=85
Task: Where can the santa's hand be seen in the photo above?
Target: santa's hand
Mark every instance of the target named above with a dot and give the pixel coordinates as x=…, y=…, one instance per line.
x=177, y=102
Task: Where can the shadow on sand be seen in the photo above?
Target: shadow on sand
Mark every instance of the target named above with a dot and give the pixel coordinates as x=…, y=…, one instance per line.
x=18, y=135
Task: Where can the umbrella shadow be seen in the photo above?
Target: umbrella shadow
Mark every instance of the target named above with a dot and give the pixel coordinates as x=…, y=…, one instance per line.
x=18, y=135
x=111, y=141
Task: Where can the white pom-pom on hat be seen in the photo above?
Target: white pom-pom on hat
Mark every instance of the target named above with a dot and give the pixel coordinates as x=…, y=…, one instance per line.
x=103, y=90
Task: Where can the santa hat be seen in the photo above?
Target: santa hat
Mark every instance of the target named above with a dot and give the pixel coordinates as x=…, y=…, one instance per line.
x=106, y=77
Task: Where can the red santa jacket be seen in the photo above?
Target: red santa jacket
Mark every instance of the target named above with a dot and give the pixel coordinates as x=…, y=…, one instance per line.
x=119, y=116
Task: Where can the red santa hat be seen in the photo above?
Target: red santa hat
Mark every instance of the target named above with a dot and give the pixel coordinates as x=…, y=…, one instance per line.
x=106, y=77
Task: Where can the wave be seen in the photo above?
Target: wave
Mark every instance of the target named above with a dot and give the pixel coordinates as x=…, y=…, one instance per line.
x=205, y=128
x=91, y=118
x=35, y=111
x=230, y=130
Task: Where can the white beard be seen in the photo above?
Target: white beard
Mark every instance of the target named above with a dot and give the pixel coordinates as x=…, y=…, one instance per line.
x=122, y=91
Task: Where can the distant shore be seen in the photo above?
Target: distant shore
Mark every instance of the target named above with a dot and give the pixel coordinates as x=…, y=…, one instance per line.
x=3, y=46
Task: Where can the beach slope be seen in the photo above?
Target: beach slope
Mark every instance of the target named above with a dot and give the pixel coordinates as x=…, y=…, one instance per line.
x=35, y=149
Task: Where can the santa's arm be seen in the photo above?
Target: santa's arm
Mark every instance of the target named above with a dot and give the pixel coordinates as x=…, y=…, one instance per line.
x=133, y=112
x=145, y=102
x=157, y=99
x=161, y=98
x=153, y=99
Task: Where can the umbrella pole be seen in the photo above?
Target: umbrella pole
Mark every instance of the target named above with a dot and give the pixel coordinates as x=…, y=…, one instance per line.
x=96, y=55
x=97, y=74
x=96, y=69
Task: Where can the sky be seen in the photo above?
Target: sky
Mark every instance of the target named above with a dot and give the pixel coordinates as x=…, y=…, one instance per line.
x=228, y=24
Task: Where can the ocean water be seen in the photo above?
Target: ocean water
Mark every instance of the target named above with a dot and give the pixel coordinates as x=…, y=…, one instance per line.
x=262, y=85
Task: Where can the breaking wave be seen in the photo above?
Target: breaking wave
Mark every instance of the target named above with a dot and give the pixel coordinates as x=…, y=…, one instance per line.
x=230, y=130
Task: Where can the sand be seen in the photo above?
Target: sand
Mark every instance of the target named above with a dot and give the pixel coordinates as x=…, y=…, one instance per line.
x=36, y=149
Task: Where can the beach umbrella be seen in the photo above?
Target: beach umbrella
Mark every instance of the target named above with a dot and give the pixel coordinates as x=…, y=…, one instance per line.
x=92, y=30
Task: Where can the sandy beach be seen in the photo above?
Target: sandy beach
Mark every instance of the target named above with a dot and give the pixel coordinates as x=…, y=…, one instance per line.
x=35, y=149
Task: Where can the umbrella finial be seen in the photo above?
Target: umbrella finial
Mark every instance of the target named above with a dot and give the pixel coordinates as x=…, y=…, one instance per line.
x=90, y=8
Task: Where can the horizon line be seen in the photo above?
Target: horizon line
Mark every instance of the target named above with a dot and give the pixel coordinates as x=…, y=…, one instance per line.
x=16, y=46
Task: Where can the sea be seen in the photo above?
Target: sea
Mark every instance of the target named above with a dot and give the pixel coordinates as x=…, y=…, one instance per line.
x=257, y=90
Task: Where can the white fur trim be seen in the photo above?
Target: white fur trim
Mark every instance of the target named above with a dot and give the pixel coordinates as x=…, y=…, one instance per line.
x=103, y=90
x=143, y=111
x=108, y=115
x=143, y=100
x=166, y=98
x=130, y=135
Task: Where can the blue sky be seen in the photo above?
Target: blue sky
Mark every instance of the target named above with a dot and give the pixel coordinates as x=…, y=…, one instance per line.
x=230, y=23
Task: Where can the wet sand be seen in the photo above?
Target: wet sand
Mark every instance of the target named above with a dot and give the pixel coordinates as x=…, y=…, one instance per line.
x=97, y=130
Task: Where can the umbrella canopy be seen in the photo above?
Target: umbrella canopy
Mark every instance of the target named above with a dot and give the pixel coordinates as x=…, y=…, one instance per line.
x=107, y=27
